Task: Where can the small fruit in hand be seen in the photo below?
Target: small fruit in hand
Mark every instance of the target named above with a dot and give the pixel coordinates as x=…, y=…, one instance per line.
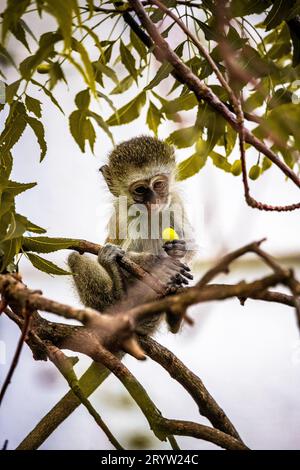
x=169, y=234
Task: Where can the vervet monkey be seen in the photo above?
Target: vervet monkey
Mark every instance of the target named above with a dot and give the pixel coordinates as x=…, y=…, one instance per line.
x=140, y=175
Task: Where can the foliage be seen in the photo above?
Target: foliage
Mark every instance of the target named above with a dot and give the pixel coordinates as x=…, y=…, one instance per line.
x=118, y=62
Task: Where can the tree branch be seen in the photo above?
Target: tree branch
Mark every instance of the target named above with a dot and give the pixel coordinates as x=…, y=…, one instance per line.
x=108, y=334
x=161, y=426
x=208, y=407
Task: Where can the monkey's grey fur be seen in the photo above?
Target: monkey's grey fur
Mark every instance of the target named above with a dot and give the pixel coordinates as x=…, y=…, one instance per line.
x=102, y=284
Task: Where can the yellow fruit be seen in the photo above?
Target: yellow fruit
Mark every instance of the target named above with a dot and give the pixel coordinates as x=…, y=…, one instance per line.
x=169, y=234
x=236, y=168
x=254, y=172
x=43, y=68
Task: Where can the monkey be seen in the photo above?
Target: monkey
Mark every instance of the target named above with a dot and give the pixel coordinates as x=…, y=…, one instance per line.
x=142, y=172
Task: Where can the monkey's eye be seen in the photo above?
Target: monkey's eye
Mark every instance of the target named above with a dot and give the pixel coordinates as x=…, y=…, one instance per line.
x=140, y=189
x=158, y=185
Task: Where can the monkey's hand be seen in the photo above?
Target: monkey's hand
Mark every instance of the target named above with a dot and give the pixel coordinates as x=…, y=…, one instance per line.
x=109, y=254
x=175, y=248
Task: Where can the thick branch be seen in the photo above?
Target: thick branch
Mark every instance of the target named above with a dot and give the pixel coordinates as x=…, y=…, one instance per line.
x=99, y=331
x=208, y=407
x=161, y=426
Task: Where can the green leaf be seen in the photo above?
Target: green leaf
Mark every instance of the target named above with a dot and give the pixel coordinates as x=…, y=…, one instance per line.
x=45, y=50
x=182, y=103
x=184, y=137
x=10, y=248
x=47, y=244
x=101, y=123
x=89, y=133
x=280, y=96
x=11, y=15
x=16, y=188
x=76, y=122
x=5, y=218
x=282, y=122
x=129, y=111
x=128, y=60
x=138, y=45
x=89, y=70
x=14, y=126
x=104, y=69
x=7, y=205
x=16, y=227
x=277, y=13
x=229, y=140
x=266, y=164
x=254, y=101
x=6, y=162
x=49, y=94
x=83, y=99
x=162, y=73
x=124, y=85
x=190, y=166
x=248, y=7
x=45, y=265
x=211, y=34
x=19, y=32
x=56, y=73
x=33, y=106
x=11, y=90
x=31, y=227
x=39, y=131
x=220, y=162
x=254, y=64
x=62, y=11
x=154, y=117
x=6, y=55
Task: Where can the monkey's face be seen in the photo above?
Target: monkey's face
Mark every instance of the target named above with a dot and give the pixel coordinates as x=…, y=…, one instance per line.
x=153, y=192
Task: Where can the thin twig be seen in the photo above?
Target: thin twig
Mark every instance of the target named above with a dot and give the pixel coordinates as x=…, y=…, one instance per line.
x=14, y=363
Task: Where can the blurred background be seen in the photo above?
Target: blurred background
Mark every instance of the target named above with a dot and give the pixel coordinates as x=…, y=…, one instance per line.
x=248, y=357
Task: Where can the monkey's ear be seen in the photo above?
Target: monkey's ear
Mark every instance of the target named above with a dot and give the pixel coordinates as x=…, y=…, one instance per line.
x=107, y=176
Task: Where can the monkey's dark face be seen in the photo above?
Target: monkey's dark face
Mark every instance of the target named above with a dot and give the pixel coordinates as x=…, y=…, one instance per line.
x=151, y=192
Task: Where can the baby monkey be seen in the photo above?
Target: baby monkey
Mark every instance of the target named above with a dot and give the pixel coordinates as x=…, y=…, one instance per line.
x=140, y=175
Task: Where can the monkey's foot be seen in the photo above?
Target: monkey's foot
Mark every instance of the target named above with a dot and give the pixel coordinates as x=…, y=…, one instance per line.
x=173, y=273
x=175, y=248
x=109, y=253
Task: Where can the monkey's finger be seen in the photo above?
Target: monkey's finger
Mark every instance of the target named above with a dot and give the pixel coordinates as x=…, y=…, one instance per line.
x=182, y=279
x=173, y=263
x=179, y=264
x=178, y=241
x=171, y=245
x=185, y=266
x=171, y=289
x=186, y=274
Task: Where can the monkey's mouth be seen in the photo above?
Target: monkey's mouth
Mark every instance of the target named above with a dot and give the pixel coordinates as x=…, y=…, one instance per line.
x=156, y=206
